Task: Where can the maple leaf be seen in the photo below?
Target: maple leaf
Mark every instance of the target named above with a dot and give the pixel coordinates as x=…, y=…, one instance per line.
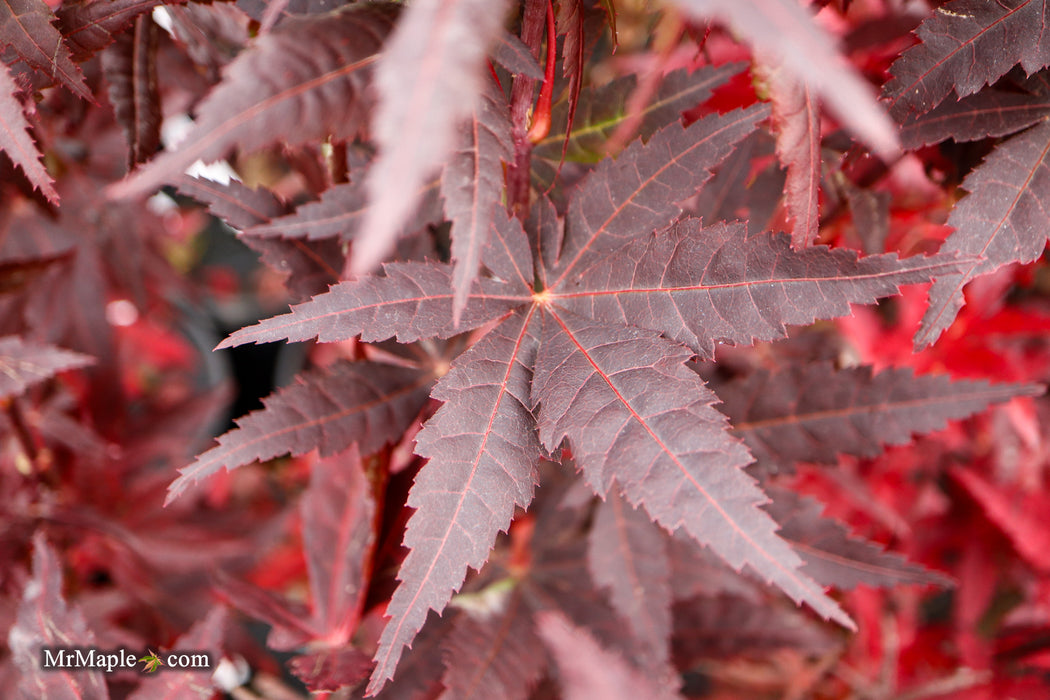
x=15, y=140
x=152, y=661
x=1002, y=34
x=512, y=53
x=430, y=77
x=997, y=111
x=606, y=323
x=23, y=363
x=26, y=26
x=45, y=619
x=814, y=413
x=569, y=22
x=1003, y=220
x=363, y=402
x=586, y=670
x=627, y=554
x=88, y=26
x=834, y=557
x=796, y=120
x=472, y=185
x=130, y=67
x=784, y=29
x=337, y=511
x=310, y=95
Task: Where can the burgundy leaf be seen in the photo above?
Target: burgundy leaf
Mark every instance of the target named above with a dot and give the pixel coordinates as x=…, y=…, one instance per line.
x=341, y=211
x=725, y=626
x=587, y=671
x=206, y=636
x=305, y=95
x=331, y=669
x=15, y=140
x=834, y=557
x=639, y=191
x=990, y=112
x=784, y=29
x=130, y=66
x=602, y=109
x=507, y=254
x=88, y=26
x=1003, y=220
x=362, y=402
x=26, y=25
x=290, y=621
x=814, y=413
x=472, y=185
x=569, y=21
x=796, y=119
x=44, y=619
x=337, y=512
x=965, y=45
x=428, y=80
x=668, y=450
x=23, y=363
x=698, y=286
x=492, y=650
x=239, y=206
x=736, y=192
x=627, y=554
x=482, y=452
x=512, y=53
x=412, y=301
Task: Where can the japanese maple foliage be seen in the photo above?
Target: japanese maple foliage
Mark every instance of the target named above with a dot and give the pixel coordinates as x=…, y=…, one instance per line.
x=613, y=376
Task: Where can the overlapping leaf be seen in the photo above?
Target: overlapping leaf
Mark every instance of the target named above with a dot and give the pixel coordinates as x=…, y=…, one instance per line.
x=784, y=29
x=483, y=455
x=360, y=402
x=1004, y=219
x=130, y=67
x=15, y=140
x=88, y=26
x=23, y=363
x=813, y=413
x=282, y=88
x=965, y=45
x=429, y=79
x=26, y=26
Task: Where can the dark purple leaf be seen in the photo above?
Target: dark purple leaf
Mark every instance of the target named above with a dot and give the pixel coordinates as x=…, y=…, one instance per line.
x=26, y=25
x=834, y=557
x=130, y=67
x=627, y=554
x=23, y=363
x=639, y=191
x=428, y=81
x=239, y=206
x=511, y=53
x=308, y=95
x=45, y=619
x=362, y=402
x=965, y=45
x=699, y=286
x=88, y=26
x=15, y=140
x=814, y=413
x=412, y=301
x=1003, y=220
x=482, y=452
x=472, y=185
x=669, y=451
x=785, y=30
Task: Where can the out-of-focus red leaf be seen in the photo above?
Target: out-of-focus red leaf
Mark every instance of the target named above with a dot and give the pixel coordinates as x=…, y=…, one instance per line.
x=15, y=140
x=205, y=637
x=130, y=67
x=23, y=363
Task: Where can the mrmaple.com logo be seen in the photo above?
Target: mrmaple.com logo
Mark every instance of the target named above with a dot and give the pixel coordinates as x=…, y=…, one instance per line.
x=90, y=658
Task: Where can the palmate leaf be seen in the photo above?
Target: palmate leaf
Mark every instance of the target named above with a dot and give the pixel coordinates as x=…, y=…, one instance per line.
x=669, y=450
x=1004, y=219
x=429, y=79
x=965, y=45
x=26, y=26
x=363, y=402
x=814, y=413
x=281, y=88
x=784, y=29
x=15, y=140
